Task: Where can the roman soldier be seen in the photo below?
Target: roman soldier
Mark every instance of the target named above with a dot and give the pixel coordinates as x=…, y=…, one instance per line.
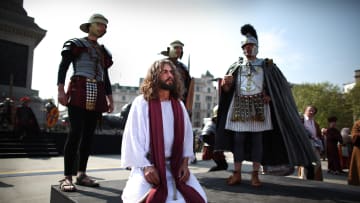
x=257, y=117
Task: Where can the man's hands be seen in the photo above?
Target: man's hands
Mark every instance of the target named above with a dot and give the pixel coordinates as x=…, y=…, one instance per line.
x=226, y=82
x=110, y=102
x=62, y=98
x=151, y=175
x=184, y=172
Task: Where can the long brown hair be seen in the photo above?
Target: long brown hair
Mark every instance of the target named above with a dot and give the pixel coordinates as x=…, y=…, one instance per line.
x=150, y=87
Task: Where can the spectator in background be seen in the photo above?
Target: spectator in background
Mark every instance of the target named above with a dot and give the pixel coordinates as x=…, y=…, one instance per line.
x=346, y=136
x=333, y=137
x=346, y=148
x=6, y=113
x=312, y=172
x=208, y=133
x=25, y=121
x=323, y=135
x=354, y=170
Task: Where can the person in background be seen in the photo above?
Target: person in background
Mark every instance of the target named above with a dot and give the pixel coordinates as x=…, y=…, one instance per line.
x=323, y=135
x=354, y=170
x=25, y=120
x=346, y=148
x=312, y=172
x=333, y=138
x=346, y=136
x=7, y=108
x=157, y=142
x=89, y=94
x=208, y=136
x=257, y=119
x=174, y=53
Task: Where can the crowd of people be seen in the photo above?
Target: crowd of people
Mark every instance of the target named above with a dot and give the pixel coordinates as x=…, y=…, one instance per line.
x=256, y=119
x=19, y=118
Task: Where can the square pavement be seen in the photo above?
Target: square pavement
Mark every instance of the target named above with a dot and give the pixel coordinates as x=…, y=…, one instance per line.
x=30, y=179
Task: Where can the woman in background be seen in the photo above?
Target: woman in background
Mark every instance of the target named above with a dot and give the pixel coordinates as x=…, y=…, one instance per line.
x=354, y=170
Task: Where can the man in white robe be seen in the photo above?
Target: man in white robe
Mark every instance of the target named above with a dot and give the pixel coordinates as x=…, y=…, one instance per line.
x=136, y=141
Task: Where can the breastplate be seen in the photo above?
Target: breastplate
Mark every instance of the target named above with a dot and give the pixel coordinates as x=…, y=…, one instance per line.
x=90, y=63
x=250, y=80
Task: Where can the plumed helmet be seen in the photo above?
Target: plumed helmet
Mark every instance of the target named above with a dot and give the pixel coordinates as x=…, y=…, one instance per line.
x=215, y=111
x=95, y=18
x=250, y=35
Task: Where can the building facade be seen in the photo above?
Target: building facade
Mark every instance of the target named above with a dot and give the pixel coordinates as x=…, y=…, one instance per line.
x=347, y=87
x=123, y=95
x=205, y=99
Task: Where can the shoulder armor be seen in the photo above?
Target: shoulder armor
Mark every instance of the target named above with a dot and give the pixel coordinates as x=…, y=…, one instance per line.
x=107, y=52
x=269, y=62
x=67, y=46
x=75, y=46
x=70, y=43
x=182, y=65
x=75, y=41
x=233, y=67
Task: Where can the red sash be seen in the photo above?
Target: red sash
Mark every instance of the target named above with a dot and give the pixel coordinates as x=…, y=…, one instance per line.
x=77, y=94
x=159, y=193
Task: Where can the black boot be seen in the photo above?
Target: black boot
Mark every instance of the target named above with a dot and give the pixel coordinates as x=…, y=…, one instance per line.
x=220, y=165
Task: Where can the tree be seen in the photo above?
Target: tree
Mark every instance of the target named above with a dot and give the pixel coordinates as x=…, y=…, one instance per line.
x=328, y=99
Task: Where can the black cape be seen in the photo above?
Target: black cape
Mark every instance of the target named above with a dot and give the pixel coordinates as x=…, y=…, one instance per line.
x=288, y=143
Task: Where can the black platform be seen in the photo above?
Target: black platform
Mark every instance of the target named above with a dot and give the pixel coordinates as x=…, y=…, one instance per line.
x=52, y=144
x=274, y=189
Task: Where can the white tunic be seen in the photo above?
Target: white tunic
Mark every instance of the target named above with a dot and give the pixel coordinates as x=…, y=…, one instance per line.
x=136, y=145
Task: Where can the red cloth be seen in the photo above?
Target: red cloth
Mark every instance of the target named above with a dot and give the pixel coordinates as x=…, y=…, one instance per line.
x=77, y=94
x=25, y=99
x=159, y=193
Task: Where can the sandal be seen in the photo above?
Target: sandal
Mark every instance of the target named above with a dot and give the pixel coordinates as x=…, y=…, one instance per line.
x=66, y=185
x=85, y=180
x=255, y=179
x=234, y=179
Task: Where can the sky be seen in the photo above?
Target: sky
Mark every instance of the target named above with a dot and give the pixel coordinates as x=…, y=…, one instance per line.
x=310, y=41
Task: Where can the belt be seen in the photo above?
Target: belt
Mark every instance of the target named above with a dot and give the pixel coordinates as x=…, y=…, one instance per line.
x=78, y=77
x=91, y=80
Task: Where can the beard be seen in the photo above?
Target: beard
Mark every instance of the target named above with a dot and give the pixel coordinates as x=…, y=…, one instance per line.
x=166, y=86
